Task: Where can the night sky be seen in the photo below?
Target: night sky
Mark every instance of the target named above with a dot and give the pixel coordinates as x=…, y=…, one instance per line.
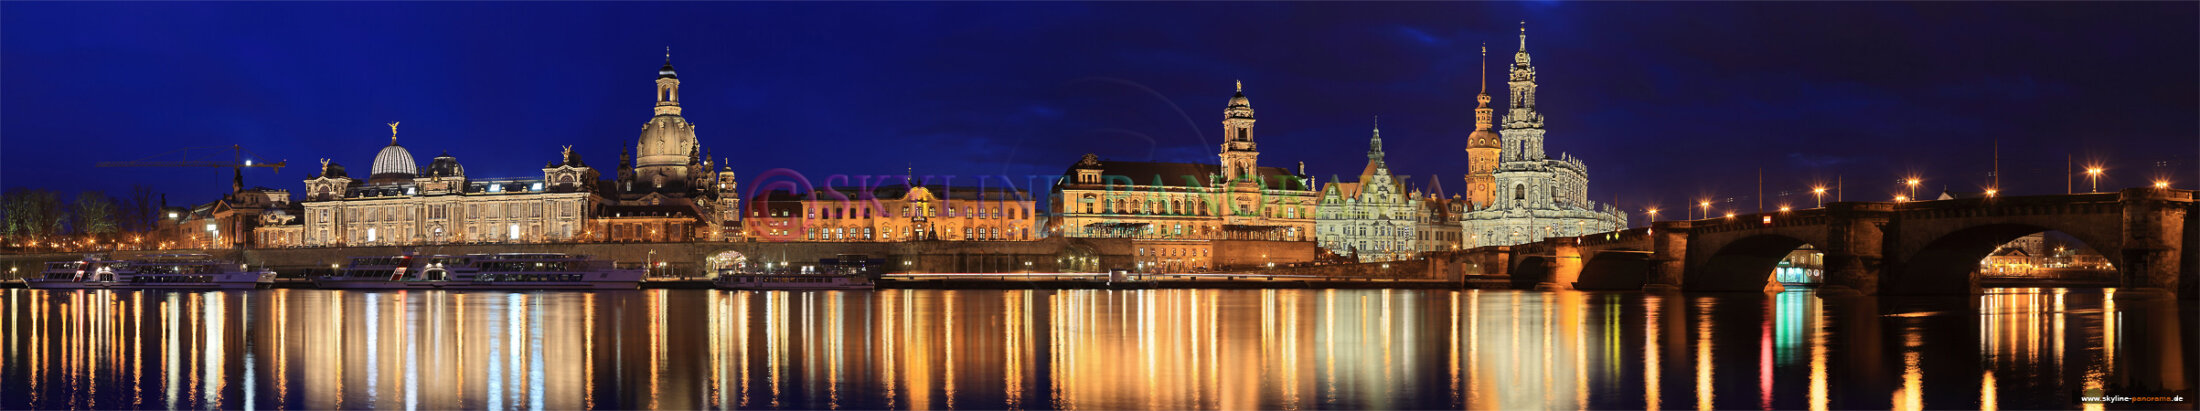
x=1666, y=102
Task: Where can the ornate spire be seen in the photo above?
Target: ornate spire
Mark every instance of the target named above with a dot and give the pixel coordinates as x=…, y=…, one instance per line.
x=1482, y=112
x=1240, y=86
x=1375, y=145
x=1521, y=57
x=393, y=133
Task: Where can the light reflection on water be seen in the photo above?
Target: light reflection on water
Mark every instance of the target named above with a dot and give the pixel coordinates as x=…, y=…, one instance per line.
x=1082, y=349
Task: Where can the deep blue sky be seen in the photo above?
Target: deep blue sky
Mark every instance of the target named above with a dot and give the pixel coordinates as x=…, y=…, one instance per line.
x=1664, y=101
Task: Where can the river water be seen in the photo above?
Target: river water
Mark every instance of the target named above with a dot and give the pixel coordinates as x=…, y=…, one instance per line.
x=1084, y=349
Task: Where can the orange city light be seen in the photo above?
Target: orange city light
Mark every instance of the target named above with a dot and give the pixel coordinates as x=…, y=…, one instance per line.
x=2161, y=183
x=1729, y=214
x=1991, y=192
x=1783, y=209
x=1901, y=198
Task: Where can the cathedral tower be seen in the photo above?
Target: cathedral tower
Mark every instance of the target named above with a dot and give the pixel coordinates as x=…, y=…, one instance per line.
x=1523, y=135
x=1482, y=144
x=667, y=146
x=1239, y=158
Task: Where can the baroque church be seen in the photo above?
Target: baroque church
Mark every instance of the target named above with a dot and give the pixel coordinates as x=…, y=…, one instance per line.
x=1519, y=194
x=1373, y=219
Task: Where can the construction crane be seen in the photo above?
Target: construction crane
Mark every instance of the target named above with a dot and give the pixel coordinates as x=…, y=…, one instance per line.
x=239, y=159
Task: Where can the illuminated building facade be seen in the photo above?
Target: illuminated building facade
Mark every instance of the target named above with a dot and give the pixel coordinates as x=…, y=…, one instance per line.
x=668, y=193
x=1535, y=197
x=1233, y=199
x=896, y=214
x=439, y=204
x=1436, y=225
x=1372, y=219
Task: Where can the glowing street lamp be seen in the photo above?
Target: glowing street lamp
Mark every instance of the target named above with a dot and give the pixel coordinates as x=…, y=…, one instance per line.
x=1706, y=208
x=1819, y=193
x=1653, y=215
x=1783, y=209
x=1991, y=192
x=2093, y=175
x=1901, y=198
x=1912, y=182
x=2161, y=184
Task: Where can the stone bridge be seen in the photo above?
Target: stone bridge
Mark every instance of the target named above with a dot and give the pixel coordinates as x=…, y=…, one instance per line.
x=1920, y=247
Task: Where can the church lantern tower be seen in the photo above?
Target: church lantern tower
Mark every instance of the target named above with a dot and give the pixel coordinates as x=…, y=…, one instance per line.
x=667, y=147
x=1482, y=144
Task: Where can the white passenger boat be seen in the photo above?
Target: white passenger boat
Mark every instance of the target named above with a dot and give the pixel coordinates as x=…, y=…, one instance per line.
x=791, y=281
x=510, y=271
x=165, y=271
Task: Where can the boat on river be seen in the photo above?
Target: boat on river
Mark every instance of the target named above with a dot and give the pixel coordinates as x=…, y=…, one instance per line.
x=506, y=271
x=162, y=271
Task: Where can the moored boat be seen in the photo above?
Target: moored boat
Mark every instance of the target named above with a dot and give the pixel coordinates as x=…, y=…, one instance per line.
x=509, y=271
x=164, y=271
x=791, y=281
x=93, y=271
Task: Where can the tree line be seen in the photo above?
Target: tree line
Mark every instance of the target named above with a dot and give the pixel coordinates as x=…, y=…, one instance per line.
x=30, y=216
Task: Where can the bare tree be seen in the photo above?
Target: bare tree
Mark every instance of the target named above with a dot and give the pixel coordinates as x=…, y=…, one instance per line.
x=139, y=210
x=95, y=214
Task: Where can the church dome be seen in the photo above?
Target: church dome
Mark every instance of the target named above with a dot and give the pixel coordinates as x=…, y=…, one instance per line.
x=393, y=164
x=1483, y=139
x=444, y=166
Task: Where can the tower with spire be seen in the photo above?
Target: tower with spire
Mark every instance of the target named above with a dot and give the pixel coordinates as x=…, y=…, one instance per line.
x=1240, y=157
x=1482, y=144
x=1519, y=194
x=1523, y=135
x=1372, y=219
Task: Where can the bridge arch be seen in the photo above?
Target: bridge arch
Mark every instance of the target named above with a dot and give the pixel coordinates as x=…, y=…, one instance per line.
x=1743, y=264
x=1530, y=270
x=1947, y=262
x=1615, y=270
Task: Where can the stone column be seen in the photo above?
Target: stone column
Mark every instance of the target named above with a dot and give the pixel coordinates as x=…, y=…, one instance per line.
x=2154, y=233
x=1668, y=255
x=1566, y=263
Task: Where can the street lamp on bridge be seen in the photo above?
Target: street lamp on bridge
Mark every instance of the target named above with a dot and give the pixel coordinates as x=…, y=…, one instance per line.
x=1912, y=182
x=1706, y=208
x=1819, y=193
x=2093, y=176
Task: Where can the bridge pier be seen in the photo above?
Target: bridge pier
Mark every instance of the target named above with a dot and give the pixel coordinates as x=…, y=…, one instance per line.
x=1848, y=275
x=1566, y=263
x=1668, y=256
x=2154, y=230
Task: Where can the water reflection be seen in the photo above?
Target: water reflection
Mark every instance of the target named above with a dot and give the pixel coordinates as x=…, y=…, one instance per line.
x=1082, y=349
